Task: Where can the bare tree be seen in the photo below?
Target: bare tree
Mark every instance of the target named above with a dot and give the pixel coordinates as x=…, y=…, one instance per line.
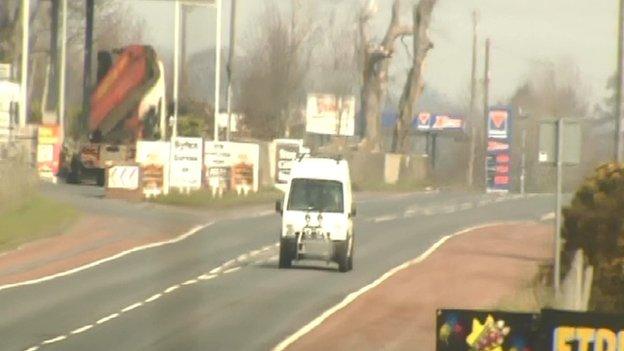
x=376, y=61
x=277, y=63
x=414, y=86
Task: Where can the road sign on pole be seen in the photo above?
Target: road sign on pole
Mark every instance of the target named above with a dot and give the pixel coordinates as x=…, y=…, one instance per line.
x=559, y=142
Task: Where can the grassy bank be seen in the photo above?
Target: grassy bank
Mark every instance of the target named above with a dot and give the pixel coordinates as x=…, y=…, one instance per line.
x=36, y=218
x=204, y=199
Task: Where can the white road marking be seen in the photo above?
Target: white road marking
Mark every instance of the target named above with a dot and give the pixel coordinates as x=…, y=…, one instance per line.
x=254, y=252
x=547, y=216
x=153, y=297
x=172, y=288
x=83, y=329
x=215, y=270
x=207, y=276
x=51, y=341
x=231, y=270
x=34, y=348
x=131, y=307
x=177, y=239
x=384, y=218
x=229, y=262
x=354, y=295
x=190, y=281
x=107, y=318
x=241, y=257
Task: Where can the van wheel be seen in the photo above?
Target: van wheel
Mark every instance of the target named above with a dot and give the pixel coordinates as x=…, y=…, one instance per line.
x=74, y=175
x=287, y=253
x=100, y=178
x=341, y=255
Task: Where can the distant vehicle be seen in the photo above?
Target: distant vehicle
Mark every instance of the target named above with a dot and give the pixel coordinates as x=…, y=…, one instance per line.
x=317, y=213
x=128, y=104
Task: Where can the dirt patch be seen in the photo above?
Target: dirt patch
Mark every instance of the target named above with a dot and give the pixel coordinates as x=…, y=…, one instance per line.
x=475, y=270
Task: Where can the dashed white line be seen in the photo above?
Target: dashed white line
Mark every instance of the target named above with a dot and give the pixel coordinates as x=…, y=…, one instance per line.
x=384, y=218
x=547, y=216
x=107, y=318
x=231, y=270
x=190, y=281
x=171, y=288
x=34, y=348
x=254, y=252
x=57, y=339
x=131, y=307
x=215, y=270
x=83, y=329
x=241, y=257
x=207, y=276
x=153, y=297
x=229, y=262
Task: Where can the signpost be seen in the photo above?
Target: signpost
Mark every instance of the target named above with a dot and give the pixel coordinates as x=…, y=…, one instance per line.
x=559, y=143
x=498, y=153
x=330, y=115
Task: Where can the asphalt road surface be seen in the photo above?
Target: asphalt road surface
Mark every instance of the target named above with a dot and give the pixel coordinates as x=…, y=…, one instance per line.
x=220, y=288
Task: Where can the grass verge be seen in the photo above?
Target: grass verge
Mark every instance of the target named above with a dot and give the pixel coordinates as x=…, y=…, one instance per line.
x=37, y=218
x=402, y=186
x=204, y=199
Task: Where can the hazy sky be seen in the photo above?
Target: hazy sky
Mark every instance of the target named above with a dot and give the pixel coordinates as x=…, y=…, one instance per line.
x=524, y=33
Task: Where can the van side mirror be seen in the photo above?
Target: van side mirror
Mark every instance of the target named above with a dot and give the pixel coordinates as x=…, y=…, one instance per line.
x=278, y=207
x=353, y=211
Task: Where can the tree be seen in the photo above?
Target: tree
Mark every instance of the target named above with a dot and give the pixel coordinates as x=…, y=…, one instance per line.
x=276, y=66
x=376, y=61
x=414, y=86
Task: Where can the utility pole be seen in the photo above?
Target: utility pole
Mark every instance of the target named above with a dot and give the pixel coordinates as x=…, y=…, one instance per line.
x=176, y=67
x=486, y=107
x=558, y=200
x=230, y=66
x=217, y=71
x=88, y=49
x=620, y=82
x=23, y=100
x=62, y=74
x=473, y=96
x=54, y=67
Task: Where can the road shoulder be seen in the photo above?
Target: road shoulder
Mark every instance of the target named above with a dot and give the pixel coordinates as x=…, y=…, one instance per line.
x=476, y=270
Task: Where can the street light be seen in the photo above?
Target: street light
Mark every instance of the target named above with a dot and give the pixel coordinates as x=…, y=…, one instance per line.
x=204, y=3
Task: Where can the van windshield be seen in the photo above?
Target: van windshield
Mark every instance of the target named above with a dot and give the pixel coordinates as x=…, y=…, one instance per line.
x=315, y=195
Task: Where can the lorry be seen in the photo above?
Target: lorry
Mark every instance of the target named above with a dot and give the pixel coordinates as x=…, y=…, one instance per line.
x=317, y=213
x=127, y=105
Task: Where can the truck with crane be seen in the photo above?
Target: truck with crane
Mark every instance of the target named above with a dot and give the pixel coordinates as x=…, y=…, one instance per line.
x=127, y=105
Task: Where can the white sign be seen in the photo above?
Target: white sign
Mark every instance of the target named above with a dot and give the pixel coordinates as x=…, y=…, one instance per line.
x=222, y=121
x=186, y=163
x=232, y=166
x=123, y=177
x=330, y=115
x=153, y=156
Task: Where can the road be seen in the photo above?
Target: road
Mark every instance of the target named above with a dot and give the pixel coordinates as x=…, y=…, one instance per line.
x=220, y=288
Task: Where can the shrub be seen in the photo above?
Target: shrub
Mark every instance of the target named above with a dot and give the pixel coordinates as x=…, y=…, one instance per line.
x=593, y=223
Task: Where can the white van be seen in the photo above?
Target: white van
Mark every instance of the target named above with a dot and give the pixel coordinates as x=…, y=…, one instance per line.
x=317, y=213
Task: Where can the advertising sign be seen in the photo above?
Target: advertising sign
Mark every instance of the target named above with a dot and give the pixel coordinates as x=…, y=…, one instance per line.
x=153, y=156
x=124, y=177
x=444, y=122
x=423, y=121
x=286, y=152
x=498, y=159
x=186, y=163
x=49, y=145
x=232, y=166
x=465, y=330
x=330, y=115
x=498, y=124
x=574, y=331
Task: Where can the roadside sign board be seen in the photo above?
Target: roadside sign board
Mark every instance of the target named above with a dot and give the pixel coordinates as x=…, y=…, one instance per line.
x=330, y=114
x=232, y=166
x=572, y=331
x=572, y=136
x=49, y=146
x=153, y=157
x=187, y=163
x=498, y=152
x=423, y=121
x=469, y=330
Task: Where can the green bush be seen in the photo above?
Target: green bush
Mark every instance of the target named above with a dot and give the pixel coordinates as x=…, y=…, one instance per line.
x=593, y=222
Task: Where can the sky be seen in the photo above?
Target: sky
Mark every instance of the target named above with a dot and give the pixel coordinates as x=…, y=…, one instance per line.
x=524, y=34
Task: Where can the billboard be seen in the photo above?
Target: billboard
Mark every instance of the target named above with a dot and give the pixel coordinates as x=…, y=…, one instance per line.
x=469, y=330
x=186, y=163
x=330, y=114
x=498, y=153
x=575, y=331
x=232, y=166
x=153, y=156
x=283, y=153
x=426, y=122
x=49, y=144
x=423, y=121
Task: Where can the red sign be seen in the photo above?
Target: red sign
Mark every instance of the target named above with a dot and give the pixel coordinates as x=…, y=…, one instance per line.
x=49, y=143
